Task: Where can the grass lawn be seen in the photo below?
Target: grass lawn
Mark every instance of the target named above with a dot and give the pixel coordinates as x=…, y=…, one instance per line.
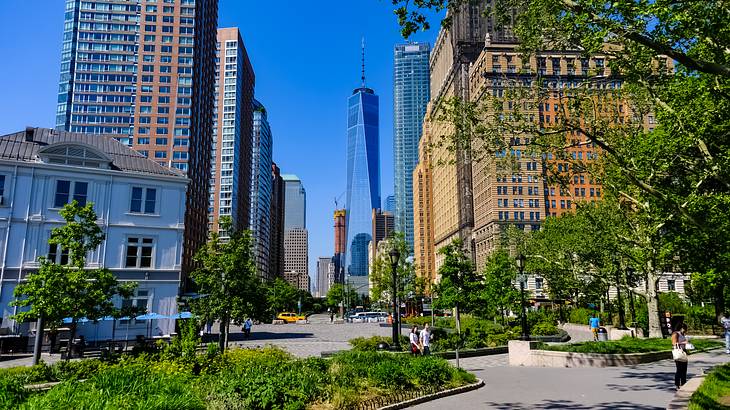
x=627, y=345
x=714, y=393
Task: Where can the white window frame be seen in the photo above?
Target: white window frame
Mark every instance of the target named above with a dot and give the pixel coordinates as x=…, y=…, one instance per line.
x=138, y=256
x=72, y=191
x=144, y=200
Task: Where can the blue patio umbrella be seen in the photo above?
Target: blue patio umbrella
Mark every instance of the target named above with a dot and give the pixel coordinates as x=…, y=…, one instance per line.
x=68, y=320
x=151, y=316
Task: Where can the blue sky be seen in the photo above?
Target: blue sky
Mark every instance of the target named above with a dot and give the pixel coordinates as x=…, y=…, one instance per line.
x=306, y=55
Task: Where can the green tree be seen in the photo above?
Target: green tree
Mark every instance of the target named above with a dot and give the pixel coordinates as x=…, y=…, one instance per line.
x=381, y=272
x=281, y=296
x=227, y=277
x=460, y=285
x=675, y=175
x=499, y=292
x=339, y=293
x=56, y=291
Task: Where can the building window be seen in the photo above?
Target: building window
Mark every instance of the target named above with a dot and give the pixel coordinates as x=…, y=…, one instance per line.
x=59, y=258
x=671, y=285
x=538, y=283
x=143, y=200
x=139, y=252
x=2, y=189
x=140, y=300
x=64, y=193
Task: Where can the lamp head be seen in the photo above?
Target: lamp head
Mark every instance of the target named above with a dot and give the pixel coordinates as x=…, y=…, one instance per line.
x=394, y=256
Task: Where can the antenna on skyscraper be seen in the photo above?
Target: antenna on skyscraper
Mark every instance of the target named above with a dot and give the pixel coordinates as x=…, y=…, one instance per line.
x=363, y=62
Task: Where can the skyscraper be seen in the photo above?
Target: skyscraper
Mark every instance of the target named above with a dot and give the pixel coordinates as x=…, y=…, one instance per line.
x=261, y=186
x=363, y=179
x=411, y=92
x=325, y=275
x=146, y=73
x=296, y=241
x=276, y=241
x=389, y=205
x=233, y=124
x=383, y=225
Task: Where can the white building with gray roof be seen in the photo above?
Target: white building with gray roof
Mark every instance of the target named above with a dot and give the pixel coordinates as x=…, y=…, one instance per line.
x=140, y=205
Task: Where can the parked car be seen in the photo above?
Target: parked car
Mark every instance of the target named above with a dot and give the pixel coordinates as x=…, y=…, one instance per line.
x=290, y=317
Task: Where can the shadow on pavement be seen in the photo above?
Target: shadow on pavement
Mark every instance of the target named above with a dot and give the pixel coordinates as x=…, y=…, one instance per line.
x=238, y=337
x=567, y=404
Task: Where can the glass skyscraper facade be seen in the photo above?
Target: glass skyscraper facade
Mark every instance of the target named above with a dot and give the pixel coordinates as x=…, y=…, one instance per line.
x=411, y=92
x=363, y=178
x=295, y=203
x=261, y=187
x=145, y=73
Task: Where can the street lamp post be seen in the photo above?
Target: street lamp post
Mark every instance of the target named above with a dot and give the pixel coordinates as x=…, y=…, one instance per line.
x=394, y=257
x=522, y=278
x=620, y=302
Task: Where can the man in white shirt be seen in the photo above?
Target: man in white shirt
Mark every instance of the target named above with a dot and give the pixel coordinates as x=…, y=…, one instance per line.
x=425, y=340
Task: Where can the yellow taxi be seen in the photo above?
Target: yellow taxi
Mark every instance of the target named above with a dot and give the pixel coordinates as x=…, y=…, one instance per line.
x=290, y=317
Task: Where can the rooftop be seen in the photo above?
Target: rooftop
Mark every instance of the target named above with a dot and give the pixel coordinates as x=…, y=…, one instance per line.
x=33, y=143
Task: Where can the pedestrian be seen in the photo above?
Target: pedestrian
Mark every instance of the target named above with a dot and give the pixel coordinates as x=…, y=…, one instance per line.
x=725, y=322
x=247, y=328
x=679, y=353
x=332, y=316
x=414, y=341
x=426, y=340
x=594, y=323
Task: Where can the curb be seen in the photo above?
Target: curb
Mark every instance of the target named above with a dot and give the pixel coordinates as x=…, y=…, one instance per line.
x=434, y=396
x=682, y=396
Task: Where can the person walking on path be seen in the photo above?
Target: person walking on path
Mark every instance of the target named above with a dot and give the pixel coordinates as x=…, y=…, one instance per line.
x=414, y=341
x=679, y=342
x=425, y=340
x=725, y=322
x=594, y=323
x=247, y=328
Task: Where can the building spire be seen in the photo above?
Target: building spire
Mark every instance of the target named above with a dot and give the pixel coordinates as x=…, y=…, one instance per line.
x=363, y=62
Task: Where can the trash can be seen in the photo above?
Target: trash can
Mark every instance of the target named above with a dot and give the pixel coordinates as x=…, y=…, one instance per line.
x=602, y=334
x=382, y=346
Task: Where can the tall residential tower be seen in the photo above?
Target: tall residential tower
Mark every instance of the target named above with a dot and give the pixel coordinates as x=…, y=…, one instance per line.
x=411, y=92
x=230, y=191
x=145, y=72
x=261, y=187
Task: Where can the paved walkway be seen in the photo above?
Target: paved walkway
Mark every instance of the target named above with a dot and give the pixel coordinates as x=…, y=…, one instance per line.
x=643, y=387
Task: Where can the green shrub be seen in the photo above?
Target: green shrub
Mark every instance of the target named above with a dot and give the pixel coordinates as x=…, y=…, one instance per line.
x=431, y=371
x=544, y=329
x=390, y=374
x=580, y=316
x=627, y=345
x=127, y=387
x=370, y=344
x=77, y=370
x=12, y=393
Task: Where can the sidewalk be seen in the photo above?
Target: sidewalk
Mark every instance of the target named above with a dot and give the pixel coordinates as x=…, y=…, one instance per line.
x=644, y=387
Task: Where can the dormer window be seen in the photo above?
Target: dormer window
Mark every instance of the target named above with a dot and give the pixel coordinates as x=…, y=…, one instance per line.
x=78, y=155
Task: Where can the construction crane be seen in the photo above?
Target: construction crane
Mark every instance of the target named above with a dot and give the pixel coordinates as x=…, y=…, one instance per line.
x=337, y=198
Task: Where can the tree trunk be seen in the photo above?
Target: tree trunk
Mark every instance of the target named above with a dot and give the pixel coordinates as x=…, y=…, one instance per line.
x=719, y=296
x=38, y=342
x=228, y=332
x=221, y=334
x=652, y=302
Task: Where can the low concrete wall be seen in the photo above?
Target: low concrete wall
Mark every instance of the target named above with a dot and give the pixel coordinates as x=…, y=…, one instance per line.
x=524, y=354
x=581, y=333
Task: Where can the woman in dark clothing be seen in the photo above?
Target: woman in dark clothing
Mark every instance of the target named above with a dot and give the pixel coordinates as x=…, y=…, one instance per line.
x=679, y=340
